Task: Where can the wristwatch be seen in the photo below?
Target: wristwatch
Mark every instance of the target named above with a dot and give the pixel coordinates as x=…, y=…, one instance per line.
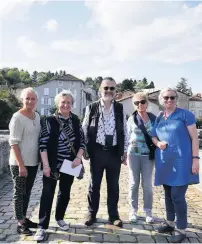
x=196, y=157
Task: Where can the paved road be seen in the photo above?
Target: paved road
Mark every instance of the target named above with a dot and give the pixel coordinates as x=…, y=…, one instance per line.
x=101, y=231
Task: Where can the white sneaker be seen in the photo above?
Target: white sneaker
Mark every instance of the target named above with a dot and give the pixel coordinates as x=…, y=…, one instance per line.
x=133, y=218
x=63, y=225
x=149, y=219
x=40, y=235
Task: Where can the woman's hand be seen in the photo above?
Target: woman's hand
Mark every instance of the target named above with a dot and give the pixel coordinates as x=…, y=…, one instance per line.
x=195, y=166
x=22, y=171
x=46, y=171
x=162, y=145
x=124, y=158
x=76, y=162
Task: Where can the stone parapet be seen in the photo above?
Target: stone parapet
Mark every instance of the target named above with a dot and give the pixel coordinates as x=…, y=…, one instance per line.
x=4, y=153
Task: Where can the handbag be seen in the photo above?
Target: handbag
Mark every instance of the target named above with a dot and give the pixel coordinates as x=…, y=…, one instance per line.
x=82, y=172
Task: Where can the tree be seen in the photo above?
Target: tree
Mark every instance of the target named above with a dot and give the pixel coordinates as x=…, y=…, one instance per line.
x=12, y=77
x=25, y=77
x=5, y=114
x=89, y=81
x=127, y=85
x=144, y=81
x=151, y=85
x=183, y=87
x=34, y=76
x=97, y=82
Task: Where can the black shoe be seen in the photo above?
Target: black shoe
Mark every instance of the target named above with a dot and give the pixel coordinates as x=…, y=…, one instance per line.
x=90, y=220
x=177, y=238
x=116, y=222
x=22, y=229
x=164, y=227
x=30, y=224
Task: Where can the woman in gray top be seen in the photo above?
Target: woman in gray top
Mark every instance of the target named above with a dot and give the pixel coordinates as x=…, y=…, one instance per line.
x=24, y=134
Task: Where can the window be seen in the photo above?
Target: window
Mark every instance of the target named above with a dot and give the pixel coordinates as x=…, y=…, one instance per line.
x=197, y=104
x=192, y=104
x=58, y=90
x=200, y=113
x=46, y=100
x=42, y=111
x=46, y=91
x=46, y=111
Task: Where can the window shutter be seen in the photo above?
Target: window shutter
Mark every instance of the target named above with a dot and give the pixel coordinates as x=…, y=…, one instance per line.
x=42, y=100
x=49, y=101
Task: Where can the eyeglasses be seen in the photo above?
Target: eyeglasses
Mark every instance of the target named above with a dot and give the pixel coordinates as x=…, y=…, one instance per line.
x=111, y=88
x=171, y=98
x=138, y=102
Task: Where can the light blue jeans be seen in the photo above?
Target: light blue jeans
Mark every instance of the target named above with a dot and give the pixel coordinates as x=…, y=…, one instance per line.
x=140, y=166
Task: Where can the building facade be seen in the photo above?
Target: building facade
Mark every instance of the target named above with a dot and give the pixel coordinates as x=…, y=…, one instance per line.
x=50, y=89
x=195, y=106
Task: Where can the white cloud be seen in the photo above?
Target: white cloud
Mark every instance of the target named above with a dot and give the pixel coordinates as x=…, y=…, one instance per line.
x=51, y=25
x=82, y=47
x=150, y=30
x=30, y=48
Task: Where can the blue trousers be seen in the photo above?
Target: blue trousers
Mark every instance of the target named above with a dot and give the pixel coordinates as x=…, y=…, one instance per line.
x=176, y=204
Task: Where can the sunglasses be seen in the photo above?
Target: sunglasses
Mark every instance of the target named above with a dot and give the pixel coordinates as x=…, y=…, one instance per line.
x=55, y=175
x=111, y=88
x=171, y=98
x=138, y=102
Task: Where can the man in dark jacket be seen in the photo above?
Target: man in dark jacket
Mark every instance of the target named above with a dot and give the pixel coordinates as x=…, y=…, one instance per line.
x=105, y=131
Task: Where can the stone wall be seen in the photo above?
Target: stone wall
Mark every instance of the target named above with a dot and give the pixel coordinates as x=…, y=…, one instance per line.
x=4, y=153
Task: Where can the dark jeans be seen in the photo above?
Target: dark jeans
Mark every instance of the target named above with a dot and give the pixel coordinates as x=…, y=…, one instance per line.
x=110, y=162
x=22, y=189
x=176, y=204
x=63, y=197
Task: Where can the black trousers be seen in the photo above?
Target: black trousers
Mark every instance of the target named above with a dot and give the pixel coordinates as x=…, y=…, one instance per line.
x=110, y=162
x=22, y=187
x=63, y=197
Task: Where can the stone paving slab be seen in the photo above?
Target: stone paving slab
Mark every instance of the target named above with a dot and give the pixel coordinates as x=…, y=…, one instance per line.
x=102, y=231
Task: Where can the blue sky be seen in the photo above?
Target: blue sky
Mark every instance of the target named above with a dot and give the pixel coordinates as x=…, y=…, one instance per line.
x=158, y=40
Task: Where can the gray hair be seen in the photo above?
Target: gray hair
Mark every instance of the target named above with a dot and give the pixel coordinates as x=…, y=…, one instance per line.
x=161, y=101
x=63, y=93
x=26, y=90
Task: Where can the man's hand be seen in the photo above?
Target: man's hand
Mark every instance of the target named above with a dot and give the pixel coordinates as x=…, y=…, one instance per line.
x=46, y=171
x=76, y=162
x=162, y=145
x=124, y=158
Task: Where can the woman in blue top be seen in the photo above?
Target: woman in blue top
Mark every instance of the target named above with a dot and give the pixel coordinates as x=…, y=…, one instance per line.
x=177, y=160
x=140, y=156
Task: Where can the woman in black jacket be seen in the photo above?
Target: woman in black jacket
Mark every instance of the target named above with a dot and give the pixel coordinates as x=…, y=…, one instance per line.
x=59, y=133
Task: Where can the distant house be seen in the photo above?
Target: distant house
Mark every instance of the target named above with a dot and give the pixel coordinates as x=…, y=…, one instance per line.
x=183, y=99
x=154, y=106
x=195, y=105
x=129, y=108
x=50, y=89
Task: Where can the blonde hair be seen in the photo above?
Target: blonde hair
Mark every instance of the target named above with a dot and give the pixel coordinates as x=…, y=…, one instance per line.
x=161, y=100
x=26, y=90
x=63, y=93
x=139, y=95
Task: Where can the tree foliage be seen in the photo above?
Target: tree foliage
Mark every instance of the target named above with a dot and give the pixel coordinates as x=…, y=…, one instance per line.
x=183, y=86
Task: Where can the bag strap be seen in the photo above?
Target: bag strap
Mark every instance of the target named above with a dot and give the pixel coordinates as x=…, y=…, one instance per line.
x=62, y=129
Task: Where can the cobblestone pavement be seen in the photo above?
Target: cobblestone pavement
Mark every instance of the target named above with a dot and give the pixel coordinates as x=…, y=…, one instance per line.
x=101, y=231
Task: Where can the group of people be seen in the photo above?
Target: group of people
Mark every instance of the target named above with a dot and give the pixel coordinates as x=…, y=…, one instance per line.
x=169, y=141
